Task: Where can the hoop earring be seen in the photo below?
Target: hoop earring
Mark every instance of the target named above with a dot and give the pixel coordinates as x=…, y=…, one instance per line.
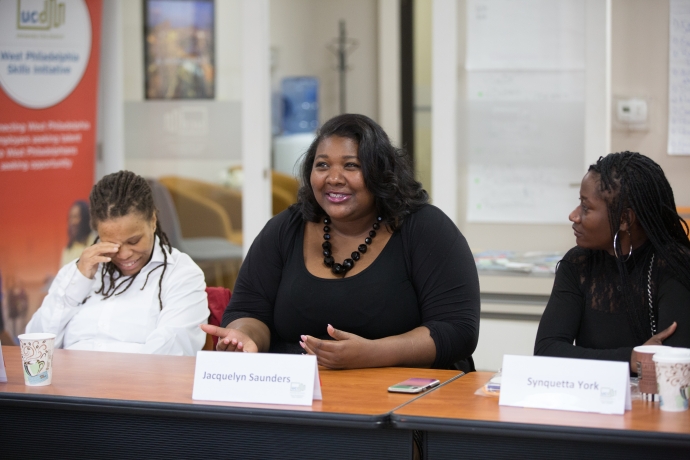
x=615, y=239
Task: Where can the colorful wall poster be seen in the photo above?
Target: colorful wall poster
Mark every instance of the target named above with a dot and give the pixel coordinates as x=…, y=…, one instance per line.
x=49, y=55
x=179, y=49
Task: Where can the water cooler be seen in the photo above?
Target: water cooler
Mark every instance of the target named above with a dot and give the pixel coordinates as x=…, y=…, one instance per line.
x=299, y=122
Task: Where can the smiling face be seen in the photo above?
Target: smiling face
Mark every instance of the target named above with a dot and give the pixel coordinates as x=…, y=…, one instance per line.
x=135, y=235
x=337, y=180
x=591, y=218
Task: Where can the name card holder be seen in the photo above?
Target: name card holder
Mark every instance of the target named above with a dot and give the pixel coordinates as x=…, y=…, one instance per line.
x=264, y=378
x=581, y=385
x=3, y=372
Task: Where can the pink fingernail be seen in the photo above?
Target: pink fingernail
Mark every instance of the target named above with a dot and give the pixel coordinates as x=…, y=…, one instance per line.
x=301, y=344
x=303, y=337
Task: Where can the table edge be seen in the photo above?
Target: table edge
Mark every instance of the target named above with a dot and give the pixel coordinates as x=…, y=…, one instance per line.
x=212, y=412
x=539, y=431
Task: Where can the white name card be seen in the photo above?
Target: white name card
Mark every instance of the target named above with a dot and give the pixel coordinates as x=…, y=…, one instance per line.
x=264, y=378
x=582, y=385
x=3, y=373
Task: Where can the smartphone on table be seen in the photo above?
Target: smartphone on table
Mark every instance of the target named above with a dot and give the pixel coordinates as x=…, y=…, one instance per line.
x=413, y=385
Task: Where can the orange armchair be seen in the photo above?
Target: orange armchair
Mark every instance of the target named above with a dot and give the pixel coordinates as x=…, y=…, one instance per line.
x=684, y=213
x=206, y=209
x=283, y=190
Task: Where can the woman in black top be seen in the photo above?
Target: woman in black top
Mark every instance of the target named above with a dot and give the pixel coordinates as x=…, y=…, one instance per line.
x=362, y=271
x=627, y=282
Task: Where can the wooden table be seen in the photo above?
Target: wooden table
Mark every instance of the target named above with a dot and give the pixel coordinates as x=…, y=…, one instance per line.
x=457, y=423
x=121, y=405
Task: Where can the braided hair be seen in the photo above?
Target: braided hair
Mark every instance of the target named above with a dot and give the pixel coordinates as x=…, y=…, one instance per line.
x=117, y=195
x=629, y=180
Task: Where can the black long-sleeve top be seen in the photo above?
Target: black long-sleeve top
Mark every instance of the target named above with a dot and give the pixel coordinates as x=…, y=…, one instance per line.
x=587, y=315
x=424, y=276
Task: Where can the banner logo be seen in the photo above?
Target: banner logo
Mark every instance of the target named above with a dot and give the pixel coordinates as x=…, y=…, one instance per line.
x=43, y=52
x=30, y=17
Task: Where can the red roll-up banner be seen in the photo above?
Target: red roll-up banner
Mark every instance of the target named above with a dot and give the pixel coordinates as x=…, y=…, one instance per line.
x=49, y=59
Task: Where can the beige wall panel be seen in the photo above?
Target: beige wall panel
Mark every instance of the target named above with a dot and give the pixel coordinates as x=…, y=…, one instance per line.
x=640, y=34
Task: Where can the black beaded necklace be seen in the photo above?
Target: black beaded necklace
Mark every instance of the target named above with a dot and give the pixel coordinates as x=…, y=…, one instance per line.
x=341, y=269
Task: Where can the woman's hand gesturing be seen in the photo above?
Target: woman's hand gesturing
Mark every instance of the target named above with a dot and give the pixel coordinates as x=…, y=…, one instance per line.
x=96, y=254
x=347, y=351
x=658, y=339
x=231, y=339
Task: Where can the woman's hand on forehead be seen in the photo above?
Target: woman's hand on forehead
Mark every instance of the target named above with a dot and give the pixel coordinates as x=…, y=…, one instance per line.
x=94, y=255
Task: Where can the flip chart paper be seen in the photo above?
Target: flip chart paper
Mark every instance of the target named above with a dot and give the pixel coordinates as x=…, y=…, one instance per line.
x=678, y=79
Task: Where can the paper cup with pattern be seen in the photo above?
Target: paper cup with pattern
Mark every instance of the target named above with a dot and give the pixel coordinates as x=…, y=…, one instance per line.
x=646, y=370
x=37, y=358
x=673, y=378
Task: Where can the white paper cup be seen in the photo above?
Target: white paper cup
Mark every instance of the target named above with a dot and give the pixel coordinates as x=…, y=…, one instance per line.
x=37, y=358
x=673, y=378
x=646, y=369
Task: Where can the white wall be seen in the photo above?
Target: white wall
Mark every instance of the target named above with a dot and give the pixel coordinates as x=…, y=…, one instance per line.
x=300, y=33
x=110, y=154
x=389, y=78
x=640, y=68
x=228, y=52
x=422, y=92
x=500, y=337
x=133, y=58
x=228, y=88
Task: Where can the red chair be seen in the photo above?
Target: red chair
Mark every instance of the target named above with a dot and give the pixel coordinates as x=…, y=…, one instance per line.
x=218, y=300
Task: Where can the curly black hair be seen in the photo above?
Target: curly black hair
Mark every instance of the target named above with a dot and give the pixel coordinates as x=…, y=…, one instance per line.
x=387, y=171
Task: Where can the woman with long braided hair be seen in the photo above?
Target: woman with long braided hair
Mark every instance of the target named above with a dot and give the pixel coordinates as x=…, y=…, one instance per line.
x=627, y=282
x=130, y=291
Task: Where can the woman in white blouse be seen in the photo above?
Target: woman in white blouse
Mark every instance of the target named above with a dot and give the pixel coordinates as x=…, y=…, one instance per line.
x=130, y=291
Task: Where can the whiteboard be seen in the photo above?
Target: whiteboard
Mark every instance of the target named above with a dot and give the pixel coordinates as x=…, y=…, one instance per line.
x=522, y=120
x=524, y=160
x=525, y=34
x=679, y=79
x=520, y=85
x=520, y=194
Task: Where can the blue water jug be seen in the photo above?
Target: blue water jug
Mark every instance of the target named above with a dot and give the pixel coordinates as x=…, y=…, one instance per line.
x=300, y=104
